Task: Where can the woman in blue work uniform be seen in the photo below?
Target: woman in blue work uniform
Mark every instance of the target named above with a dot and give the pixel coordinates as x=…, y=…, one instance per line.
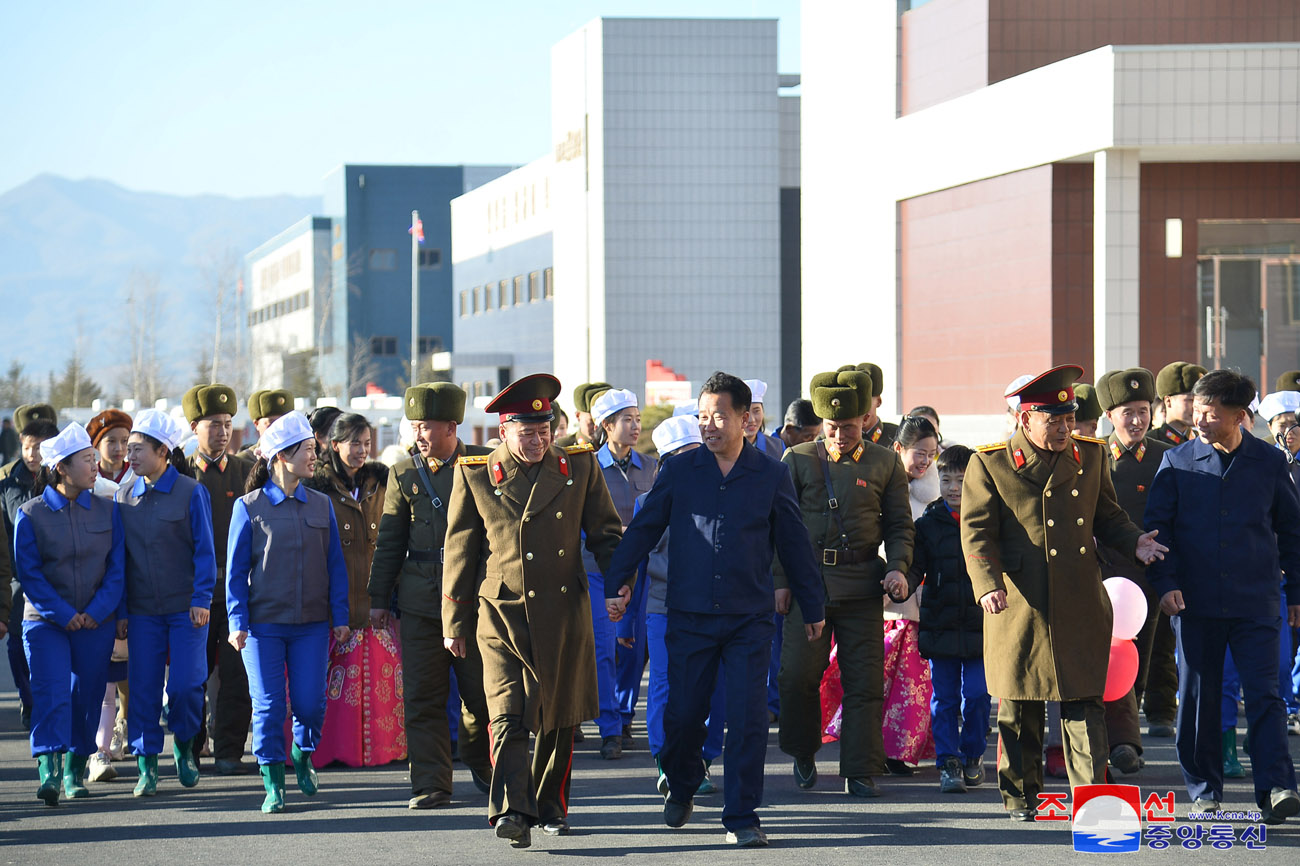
x=68, y=554
x=171, y=569
x=628, y=474
x=286, y=584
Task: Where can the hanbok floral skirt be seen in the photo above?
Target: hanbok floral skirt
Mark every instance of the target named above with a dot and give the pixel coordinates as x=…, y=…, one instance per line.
x=364, y=715
x=907, y=695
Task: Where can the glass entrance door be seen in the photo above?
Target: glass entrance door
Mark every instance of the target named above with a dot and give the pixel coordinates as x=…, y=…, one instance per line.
x=1250, y=308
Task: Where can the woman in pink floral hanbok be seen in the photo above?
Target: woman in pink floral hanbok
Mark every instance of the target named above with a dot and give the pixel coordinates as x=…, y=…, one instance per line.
x=364, y=718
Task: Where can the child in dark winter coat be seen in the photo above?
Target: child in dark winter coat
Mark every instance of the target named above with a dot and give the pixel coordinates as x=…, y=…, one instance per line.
x=951, y=632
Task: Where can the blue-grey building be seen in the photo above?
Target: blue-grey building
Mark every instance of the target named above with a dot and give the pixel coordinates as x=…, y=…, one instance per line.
x=354, y=331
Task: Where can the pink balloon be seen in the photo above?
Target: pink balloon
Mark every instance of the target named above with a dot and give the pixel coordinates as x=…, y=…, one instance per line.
x=1129, y=604
x=1122, y=671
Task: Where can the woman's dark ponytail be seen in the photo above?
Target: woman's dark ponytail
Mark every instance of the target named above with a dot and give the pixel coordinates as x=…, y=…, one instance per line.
x=257, y=477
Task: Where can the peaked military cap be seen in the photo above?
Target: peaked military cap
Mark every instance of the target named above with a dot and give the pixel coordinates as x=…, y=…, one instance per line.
x=527, y=399
x=1051, y=392
x=586, y=393
x=30, y=412
x=1178, y=378
x=1088, y=407
x=269, y=404
x=204, y=400
x=1288, y=381
x=873, y=370
x=842, y=395
x=1117, y=387
x=435, y=401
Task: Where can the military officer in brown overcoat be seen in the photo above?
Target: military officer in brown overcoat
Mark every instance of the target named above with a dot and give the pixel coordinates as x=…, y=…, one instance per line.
x=1031, y=509
x=517, y=516
x=1126, y=396
x=409, y=559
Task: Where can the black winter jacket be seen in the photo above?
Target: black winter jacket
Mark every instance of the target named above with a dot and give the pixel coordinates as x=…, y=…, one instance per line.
x=952, y=622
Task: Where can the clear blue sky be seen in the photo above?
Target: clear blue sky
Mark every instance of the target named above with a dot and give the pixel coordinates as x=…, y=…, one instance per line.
x=244, y=98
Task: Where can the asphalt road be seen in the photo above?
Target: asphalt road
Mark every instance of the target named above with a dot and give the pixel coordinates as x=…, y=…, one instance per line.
x=360, y=815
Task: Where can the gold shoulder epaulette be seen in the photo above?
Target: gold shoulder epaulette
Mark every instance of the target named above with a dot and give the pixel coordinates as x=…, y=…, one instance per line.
x=473, y=460
x=1083, y=438
x=578, y=449
x=992, y=446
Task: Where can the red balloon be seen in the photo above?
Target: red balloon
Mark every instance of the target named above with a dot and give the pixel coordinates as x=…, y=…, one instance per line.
x=1122, y=670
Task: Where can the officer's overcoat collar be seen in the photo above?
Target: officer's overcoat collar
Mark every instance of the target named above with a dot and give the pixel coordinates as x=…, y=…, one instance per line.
x=514, y=483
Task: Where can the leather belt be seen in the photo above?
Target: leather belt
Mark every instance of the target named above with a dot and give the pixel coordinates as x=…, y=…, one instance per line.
x=425, y=555
x=831, y=556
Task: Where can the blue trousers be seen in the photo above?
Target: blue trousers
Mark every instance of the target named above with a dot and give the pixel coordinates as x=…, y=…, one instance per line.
x=17, y=654
x=609, y=721
x=1286, y=689
x=959, y=692
x=453, y=705
x=629, y=665
x=155, y=644
x=303, y=652
x=656, y=698
x=1202, y=643
x=69, y=671
x=774, y=668
x=697, y=644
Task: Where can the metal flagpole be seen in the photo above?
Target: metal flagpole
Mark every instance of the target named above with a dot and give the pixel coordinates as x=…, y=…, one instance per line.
x=417, y=235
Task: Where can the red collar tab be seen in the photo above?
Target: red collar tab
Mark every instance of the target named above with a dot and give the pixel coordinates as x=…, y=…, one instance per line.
x=876, y=434
x=1078, y=458
x=1141, y=451
x=498, y=473
x=564, y=466
x=1019, y=456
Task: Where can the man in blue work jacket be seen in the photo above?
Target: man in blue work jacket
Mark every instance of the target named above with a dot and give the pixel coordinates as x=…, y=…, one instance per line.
x=1227, y=508
x=726, y=505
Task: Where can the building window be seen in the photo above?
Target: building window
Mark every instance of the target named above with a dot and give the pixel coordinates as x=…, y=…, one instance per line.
x=383, y=346
x=464, y=303
x=429, y=345
x=518, y=288
x=534, y=290
x=490, y=296
x=548, y=283
x=430, y=259
x=383, y=260
x=478, y=300
x=338, y=251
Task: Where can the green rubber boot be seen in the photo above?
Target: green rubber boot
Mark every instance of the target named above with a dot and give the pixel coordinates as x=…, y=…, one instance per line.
x=50, y=766
x=147, y=785
x=305, y=772
x=273, y=781
x=1232, y=768
x=187, y=769
x=74, y=776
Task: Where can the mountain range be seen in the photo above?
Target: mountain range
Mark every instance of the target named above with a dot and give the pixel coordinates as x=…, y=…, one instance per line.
x=69, y=249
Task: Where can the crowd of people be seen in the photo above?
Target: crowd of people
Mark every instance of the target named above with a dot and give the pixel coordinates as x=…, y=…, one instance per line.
x=841, y=578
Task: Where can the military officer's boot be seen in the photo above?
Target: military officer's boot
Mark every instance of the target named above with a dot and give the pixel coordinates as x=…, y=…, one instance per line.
x=74, y=775
x=273, y=781
x=50, y=766
x=187, y=769
x=147, y=784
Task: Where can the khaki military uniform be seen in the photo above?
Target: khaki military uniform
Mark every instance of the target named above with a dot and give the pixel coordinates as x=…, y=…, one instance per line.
x=1028, y=524
x=520, y=528
x=408, y=560
x=232, y=710
x=1131, y=472
x=871, y=495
